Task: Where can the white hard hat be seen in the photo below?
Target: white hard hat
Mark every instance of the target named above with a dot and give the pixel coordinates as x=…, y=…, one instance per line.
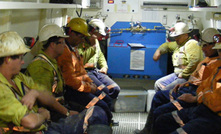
x=12, y=44
x=207, y=35
x=50, y=30
x=217, y=39
x=97, y=23
x=179, y=29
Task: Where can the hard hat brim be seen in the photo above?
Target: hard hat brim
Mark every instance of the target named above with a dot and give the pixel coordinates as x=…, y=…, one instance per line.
x=174, y=34
x=217, y=46
x=87, y=34
x=22, y=51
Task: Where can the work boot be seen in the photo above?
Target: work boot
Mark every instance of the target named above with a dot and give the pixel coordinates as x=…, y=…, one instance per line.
x=112, y=108
x=148, y=126
x=114, y=123
x=143, y=131
x=99, y=129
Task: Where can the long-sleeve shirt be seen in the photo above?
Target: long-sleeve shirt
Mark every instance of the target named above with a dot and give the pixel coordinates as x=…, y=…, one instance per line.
x=11, y=109
x=42, y=72
x=209, y=92
x=73, y=71
x=203, y=70
x=186, y=58
x=92, y=54
x=168, y=47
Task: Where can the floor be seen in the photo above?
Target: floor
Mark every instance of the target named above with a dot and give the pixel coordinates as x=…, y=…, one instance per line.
x=128, y=122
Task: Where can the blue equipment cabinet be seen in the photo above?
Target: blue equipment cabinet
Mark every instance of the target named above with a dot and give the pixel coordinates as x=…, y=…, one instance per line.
x=120, y=56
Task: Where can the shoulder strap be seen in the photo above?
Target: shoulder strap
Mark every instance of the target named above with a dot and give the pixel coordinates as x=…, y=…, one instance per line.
x=55, y=83
x=96, y=53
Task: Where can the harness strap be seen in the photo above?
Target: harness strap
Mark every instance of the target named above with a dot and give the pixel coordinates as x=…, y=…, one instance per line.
x=55, y=83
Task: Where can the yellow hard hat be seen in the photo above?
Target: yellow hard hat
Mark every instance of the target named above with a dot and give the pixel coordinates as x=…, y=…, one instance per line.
x=12, y=44
x=79, y=25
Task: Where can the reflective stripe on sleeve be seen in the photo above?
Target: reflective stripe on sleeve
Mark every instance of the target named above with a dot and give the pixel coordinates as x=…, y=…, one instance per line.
x=177, y=105
x=177, y=118
x=180, y=131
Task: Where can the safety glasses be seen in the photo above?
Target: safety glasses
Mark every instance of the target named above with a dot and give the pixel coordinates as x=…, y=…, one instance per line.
x=61, y=42
x=20, y=56
x=78, y=34
x=217, y=38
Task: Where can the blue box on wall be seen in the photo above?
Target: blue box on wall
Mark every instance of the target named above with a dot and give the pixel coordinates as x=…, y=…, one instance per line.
x=130, y=51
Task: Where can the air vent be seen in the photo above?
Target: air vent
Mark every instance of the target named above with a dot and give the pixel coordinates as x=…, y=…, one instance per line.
x=166, y=3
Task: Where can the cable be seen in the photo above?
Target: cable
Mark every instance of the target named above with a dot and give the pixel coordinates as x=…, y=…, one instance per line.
x=79, y=15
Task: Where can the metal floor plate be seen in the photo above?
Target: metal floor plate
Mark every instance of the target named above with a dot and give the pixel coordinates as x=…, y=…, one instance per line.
x=128, y=122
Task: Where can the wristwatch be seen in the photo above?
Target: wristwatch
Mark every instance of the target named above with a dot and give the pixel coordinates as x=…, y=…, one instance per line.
x=68, y=113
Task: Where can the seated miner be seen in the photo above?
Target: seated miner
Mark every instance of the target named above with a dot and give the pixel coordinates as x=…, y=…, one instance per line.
x=95, y=62
x=203, y=118
x=19, y=100
x=185, y=58
x=170, y=100
x=44, y=69
x=79, y=86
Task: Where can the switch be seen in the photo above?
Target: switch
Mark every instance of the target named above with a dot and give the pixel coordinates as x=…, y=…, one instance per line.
x=164, y=20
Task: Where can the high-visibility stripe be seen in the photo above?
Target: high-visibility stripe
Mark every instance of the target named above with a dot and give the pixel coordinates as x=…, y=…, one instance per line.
x=181, y=131
x=112, y=86
x=101, y=87
x=162, y=86
x=200, y=94
x=177, y=105
x=61, y=98
x=208, y=91
x=102, y=95
x=92, y=102
x=177, y=118
x=54, y=86
x=96, y=99
x=87, y=116
x=170, y=95
x=18, y=129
